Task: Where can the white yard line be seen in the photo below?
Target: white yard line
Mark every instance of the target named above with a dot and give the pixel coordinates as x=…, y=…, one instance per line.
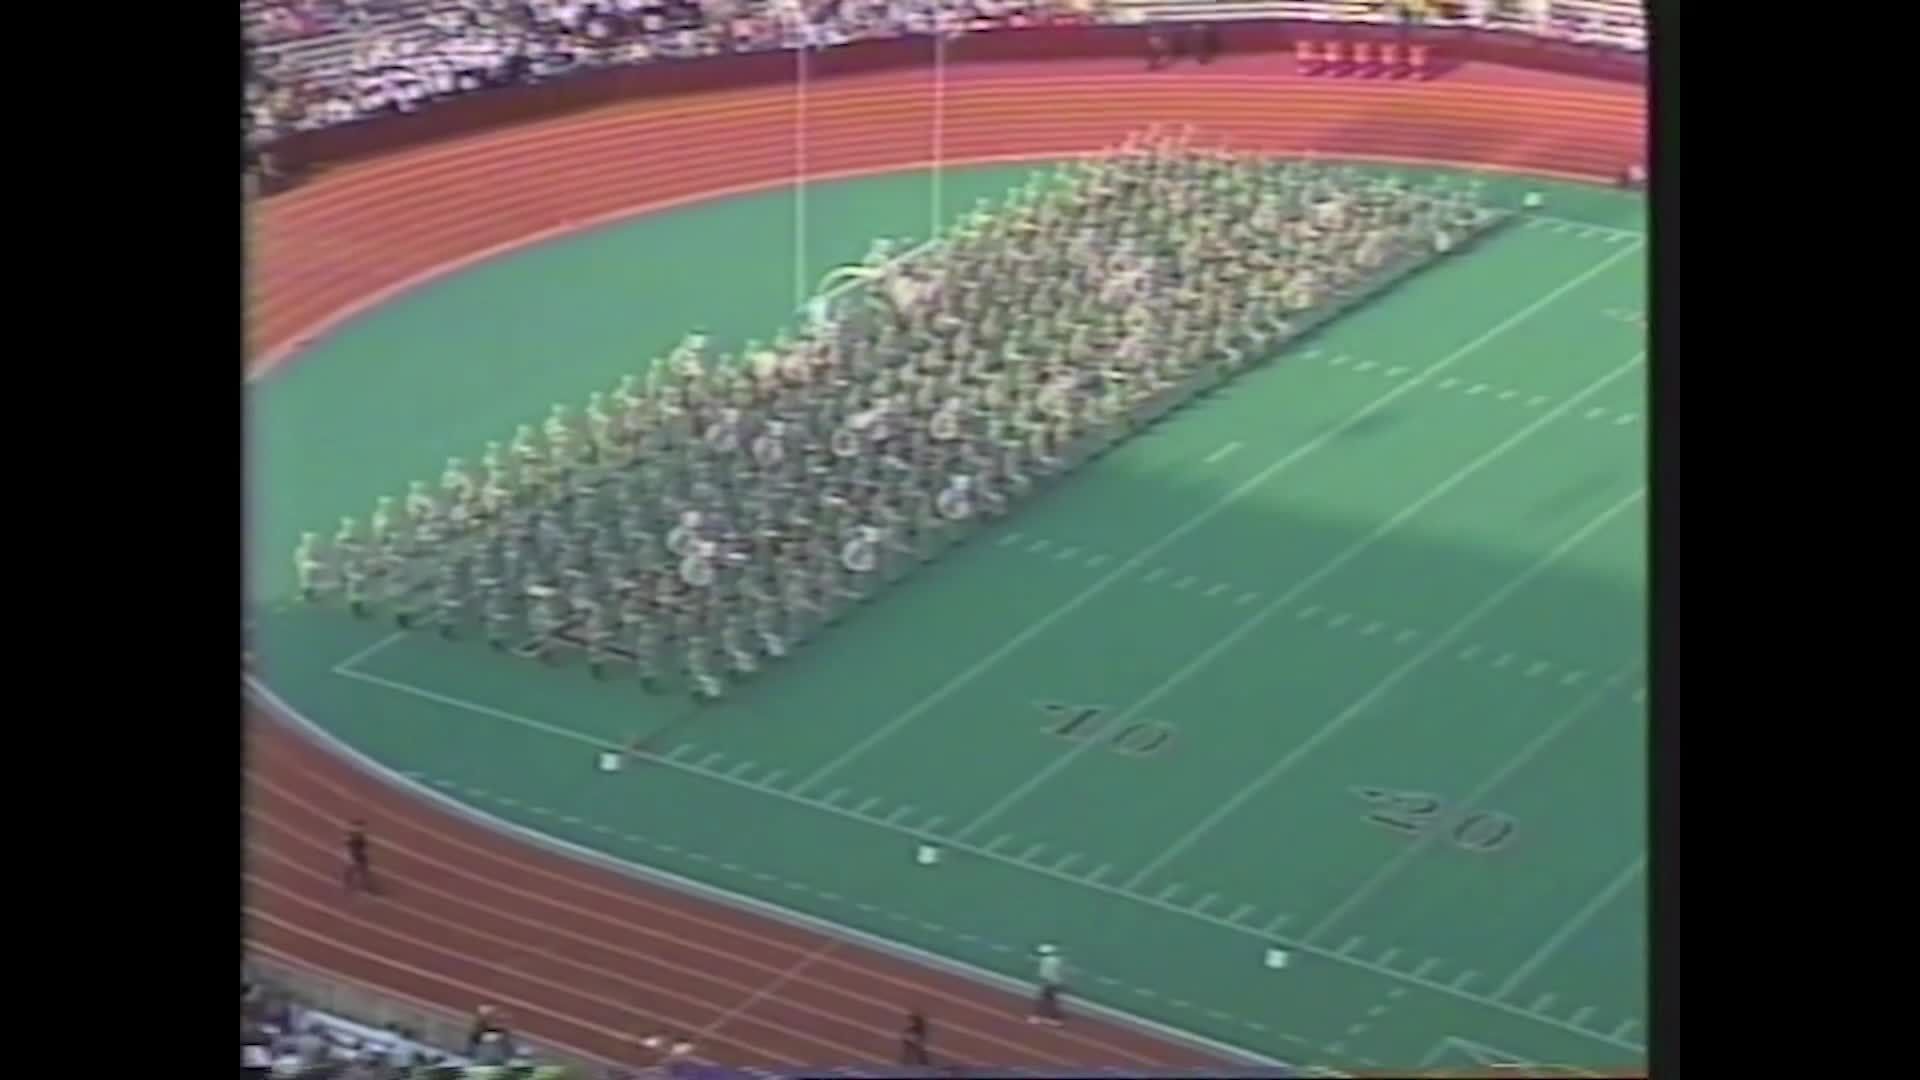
x=1573, y=925
x=1471, y=800
x=979, y=667
x=1326, y=570
x=1379, y=689
x=369, y=650
x=1267, y=935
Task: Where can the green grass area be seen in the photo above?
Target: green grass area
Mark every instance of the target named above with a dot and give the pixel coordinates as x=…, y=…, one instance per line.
x=1377, y=608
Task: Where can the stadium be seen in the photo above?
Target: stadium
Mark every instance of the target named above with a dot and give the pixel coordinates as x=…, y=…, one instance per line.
x=1117, y=530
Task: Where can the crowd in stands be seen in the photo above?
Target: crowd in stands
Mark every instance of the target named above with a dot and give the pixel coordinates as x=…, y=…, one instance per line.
x=402, y=64
x=281, y=1038
x=318, y=63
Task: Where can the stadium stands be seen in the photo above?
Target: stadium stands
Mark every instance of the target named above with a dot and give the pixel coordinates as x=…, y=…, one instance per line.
x=281, y=1038
x=318, y=63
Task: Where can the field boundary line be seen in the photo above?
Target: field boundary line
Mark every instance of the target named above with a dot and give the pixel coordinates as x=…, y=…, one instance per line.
x=920, y=956
x=1293, y=592
x=1106, y=581
x=1393, y=678
x=306, y=727
x=1591, y=701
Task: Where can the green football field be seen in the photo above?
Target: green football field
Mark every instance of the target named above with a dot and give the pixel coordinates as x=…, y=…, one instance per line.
x=1343, y=659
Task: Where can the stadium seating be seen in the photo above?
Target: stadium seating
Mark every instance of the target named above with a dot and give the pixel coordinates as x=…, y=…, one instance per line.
x=324, y=62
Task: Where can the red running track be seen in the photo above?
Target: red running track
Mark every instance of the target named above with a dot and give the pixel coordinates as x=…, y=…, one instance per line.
x=585, y=958
x=327, y=251
x=590, y=960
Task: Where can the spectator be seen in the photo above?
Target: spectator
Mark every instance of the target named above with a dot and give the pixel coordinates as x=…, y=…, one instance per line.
x=483, y=1022
x=1158, y=50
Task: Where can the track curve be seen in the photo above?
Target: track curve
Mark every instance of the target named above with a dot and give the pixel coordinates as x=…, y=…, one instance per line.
x=328, y=251
x=589, y=960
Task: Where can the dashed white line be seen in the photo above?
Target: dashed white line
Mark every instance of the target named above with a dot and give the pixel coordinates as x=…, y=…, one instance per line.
x=1097, y=560
x=1067, y=553
x=1405, y=636
x=1339, y=360
x=1537, y=400
x=1240, y=913
x=1398, y=370
x=1426, y=965
x=1155, y=574
x=1033, y=851
x=1386, y=958
x=1365, y=365
x=866, y=806
x=1580, y=1017
x=1625, y=418
x=1537, y=668
x=1246, y=598
x=1221, y=453
x=1625, y=1026
x=1340, y=620
x=1009, y=540
x=1217, y=590
x=1448, y=383
x=1509, y=395
x=1478, y=388
x=1352, y=944
x=1460, y=982
x=1372, y=628
x=1185, y=581
x=1596, y=413
x=1541, y=1003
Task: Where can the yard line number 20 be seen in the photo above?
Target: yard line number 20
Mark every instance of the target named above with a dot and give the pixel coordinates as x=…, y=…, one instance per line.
x=1416, y=812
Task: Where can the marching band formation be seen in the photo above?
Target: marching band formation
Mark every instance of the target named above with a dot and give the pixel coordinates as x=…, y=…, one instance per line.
x=712, y=514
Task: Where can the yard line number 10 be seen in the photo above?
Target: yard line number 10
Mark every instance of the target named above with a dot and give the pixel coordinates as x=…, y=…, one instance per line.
x=1416, y=812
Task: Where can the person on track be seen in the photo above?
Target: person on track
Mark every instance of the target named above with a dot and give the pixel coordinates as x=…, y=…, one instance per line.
x=1052, y=972
x=913, y=1040
x=359, y=872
